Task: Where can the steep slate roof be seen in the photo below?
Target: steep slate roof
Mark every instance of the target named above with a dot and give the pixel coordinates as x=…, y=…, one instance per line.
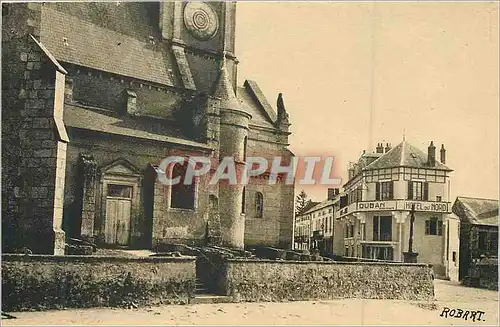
x=112, y=123
x=106, y=43
x=116, y=39
x=404, y=154
x=476, y=211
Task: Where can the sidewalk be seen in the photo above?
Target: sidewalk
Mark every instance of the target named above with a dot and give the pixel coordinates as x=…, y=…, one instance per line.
x=335, y=312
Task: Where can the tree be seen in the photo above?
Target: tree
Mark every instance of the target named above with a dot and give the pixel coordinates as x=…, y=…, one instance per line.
x=301, y=202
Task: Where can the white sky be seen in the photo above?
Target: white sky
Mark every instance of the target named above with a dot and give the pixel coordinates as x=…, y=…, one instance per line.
x=347, y=68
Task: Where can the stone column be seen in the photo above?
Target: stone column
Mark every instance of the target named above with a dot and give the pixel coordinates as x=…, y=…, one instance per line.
x=88, y=171
x=400, y=217
x=234, y=129
x=361, y=216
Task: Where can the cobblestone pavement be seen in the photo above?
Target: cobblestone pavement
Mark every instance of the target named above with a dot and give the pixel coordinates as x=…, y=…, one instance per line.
x=342, y=312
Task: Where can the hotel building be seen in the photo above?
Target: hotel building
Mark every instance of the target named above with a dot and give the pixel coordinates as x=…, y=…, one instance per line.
x=381, y=190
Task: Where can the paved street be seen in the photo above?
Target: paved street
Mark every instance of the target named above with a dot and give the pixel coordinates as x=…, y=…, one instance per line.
x=349, y=311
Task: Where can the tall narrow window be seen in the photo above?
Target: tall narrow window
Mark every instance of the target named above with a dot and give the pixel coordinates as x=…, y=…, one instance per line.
x=384, y=191
x=183, y=196
x=418, y=191
x=245, y=141
x=243, y=200
x=259, y=205
x=433, y=226
x=382, y=228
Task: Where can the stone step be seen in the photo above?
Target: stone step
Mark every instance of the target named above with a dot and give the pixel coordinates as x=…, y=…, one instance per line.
x=210, y=299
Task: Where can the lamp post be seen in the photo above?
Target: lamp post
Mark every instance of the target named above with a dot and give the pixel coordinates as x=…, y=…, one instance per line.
x=412, y=220
x=410, y=256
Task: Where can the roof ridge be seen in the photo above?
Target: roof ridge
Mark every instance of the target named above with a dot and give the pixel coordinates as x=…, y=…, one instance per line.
x=476, y=198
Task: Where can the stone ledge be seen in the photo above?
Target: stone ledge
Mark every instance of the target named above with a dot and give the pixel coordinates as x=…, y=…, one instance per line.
x=237, y=260
x=89, y=258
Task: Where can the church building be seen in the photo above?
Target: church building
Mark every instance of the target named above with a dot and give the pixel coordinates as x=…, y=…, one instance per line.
x=96, y=94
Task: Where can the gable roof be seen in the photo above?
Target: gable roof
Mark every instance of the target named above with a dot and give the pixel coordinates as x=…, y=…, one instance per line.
x=477, y=211
x=405, y=155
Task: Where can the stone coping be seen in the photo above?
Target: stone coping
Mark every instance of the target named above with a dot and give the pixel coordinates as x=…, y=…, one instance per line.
x=91, y=258
x=233, y=260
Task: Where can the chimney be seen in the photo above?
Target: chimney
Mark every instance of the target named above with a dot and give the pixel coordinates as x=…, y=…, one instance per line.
x=380, y=148
x=387, y=147
x=131, y=102
x=443, y=154
x=431, y=155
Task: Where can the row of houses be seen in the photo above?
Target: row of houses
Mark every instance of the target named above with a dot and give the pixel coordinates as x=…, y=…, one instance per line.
x=396, y=206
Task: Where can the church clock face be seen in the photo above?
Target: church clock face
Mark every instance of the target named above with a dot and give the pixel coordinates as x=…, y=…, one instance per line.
x=201, y=20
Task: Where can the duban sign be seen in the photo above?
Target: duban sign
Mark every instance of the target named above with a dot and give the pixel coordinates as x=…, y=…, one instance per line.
x=427, y=206
x=376, y=205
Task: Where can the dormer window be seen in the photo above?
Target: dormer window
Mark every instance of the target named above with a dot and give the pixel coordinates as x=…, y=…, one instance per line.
x=131, y=98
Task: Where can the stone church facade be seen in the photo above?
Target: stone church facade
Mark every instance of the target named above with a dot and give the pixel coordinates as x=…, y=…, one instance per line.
x=96, y=95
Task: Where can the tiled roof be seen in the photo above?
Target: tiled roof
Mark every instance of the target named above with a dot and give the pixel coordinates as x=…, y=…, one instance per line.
x=476, y=210
x=113, y=123
x=109, y=44
x=404, y=154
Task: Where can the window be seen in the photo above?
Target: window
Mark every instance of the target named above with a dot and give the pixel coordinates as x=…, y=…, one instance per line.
x=482, y=241
x=382, y=228
x=243, y=200
x=384, y=191
x=182, y=194
x=438, y=198
x=433, y=226
x=351, y=230
x=454, y=256
x=418, y=191
x=119, y=191
x=355, y=195
x=245, y=141
x=259, y=204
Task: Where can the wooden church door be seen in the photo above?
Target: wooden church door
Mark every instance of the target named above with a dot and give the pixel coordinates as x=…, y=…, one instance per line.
x=118, y=208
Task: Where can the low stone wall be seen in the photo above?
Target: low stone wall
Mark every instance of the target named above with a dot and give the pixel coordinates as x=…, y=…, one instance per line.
x=267, y=280
x=50, y=282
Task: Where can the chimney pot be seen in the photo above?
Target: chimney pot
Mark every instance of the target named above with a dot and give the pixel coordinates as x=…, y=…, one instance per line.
x=431, y=155
x=443, y=154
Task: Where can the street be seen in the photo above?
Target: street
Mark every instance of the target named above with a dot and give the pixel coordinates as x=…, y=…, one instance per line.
x=348, y=311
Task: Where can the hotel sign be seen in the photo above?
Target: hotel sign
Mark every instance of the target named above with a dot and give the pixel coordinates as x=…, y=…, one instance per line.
x=376, y=205
x=427, y=206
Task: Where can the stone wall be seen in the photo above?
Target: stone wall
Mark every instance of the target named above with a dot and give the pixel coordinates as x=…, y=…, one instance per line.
x=50, y=282
x=266, y=280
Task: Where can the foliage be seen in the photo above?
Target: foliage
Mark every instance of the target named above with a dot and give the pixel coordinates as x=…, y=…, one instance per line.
x=301, y=202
